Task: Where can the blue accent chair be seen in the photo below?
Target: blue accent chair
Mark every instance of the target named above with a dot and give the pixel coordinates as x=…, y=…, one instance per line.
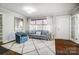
x=21, y=37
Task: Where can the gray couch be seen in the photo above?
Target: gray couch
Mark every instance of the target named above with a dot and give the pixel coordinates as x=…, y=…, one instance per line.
x=40, y=34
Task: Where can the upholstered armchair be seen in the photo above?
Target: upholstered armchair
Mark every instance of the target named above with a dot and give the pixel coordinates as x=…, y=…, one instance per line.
x=21, y=37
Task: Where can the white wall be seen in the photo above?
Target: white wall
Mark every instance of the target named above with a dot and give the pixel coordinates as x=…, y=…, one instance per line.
x=50, y=23
x=76, y=27
x=62, y=27
x=8, y=24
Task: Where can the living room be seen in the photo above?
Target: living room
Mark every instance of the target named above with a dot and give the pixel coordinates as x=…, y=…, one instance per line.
x=40, y=26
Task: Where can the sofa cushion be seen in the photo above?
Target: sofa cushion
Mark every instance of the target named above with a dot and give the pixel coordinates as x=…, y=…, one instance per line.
x=44, y=32
x=38, y=33
x=32, y=32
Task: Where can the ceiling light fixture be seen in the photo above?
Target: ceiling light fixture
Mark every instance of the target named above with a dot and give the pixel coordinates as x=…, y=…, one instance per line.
x=29, y=9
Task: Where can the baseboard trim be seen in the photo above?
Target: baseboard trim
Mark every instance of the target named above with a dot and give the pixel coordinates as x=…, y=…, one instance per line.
x=8, y=42
x=62, y=38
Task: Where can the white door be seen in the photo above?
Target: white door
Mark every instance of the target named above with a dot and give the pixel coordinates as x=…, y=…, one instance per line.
x=62, y=27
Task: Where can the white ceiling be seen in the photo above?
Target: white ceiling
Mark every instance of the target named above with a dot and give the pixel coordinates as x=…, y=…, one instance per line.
x=43, y=9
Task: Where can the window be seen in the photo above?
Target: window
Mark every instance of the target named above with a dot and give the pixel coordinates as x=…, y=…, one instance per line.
x=44, y=21
x=32, y=22
x=39, y=24
x=38, y=21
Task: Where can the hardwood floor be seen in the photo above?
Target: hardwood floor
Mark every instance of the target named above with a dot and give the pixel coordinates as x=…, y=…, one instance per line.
x=4, y=51
x=66, y=47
